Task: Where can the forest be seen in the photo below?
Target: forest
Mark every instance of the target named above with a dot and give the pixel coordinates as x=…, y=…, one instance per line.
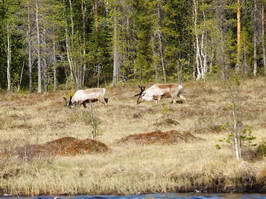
x=59, y=44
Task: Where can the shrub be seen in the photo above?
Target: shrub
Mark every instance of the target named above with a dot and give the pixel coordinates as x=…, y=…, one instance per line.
x=261, y=149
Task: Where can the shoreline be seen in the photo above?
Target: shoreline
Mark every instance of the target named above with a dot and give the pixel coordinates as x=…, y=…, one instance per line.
x=248, y=188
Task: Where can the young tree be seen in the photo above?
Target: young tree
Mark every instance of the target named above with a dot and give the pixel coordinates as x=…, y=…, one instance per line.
x=9, y=23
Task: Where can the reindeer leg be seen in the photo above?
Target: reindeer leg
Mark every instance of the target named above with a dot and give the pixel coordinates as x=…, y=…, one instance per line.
x=182, y=98
x=174, y=100
x=158, y=99
x=84, y=104
x=102, y=101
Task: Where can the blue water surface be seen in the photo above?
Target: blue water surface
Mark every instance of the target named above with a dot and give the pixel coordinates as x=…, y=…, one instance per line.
x=165, y=196
x=153, y=196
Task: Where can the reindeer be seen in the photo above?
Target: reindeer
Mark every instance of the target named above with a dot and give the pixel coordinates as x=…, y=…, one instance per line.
x=158, y=91
x=87, y=96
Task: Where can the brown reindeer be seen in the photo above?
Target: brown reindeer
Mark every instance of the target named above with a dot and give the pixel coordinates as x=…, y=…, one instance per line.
x=158, y=91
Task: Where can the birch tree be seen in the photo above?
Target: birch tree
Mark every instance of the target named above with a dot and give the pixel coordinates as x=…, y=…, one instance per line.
x=29, y=42
x=201, y=57
x=255, y=36
x=38, y=46
x=9, y=8
x=116, y=53
x=198, y=59
x=263, y=36
x=8, y=76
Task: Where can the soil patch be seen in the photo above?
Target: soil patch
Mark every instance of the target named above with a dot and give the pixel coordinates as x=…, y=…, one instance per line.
x=68, y=146
x=159, y=137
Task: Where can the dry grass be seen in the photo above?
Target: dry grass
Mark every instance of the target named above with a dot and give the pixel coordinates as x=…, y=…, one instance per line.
x=28, y=119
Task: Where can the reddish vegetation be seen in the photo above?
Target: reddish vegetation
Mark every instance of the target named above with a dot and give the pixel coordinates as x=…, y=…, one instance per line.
x=66, y=146
x=262, y=176
x=159, y=137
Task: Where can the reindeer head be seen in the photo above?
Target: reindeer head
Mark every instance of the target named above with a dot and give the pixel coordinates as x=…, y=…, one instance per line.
x=68, y=102
x=140, y=94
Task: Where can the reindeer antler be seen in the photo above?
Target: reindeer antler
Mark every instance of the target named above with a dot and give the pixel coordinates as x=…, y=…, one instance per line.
x=142, y=89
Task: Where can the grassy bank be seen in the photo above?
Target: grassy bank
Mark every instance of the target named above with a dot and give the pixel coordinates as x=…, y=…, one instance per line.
x=130, y=168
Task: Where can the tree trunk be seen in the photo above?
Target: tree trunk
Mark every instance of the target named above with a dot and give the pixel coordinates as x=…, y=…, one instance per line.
x=162, y=55
x=234, y=93
x=255, y=38
x=203, y=57
x=245, y=64
x=179, y=70
x=98, y=68
x=69, y=58
x=154, y=54
x=263, y=38
x=68, y=48
x=83, y=9
x=197, y=47
x=8, y=76
x=54, y=63
x=236, y=134
x=38, y=48
x=71, y=49
x=160, y=41
x=29, y=49
x=45, y=79
x=238, y=53
x=71, y=19
x=203, y=51
x=20, y=77
x=116, y=66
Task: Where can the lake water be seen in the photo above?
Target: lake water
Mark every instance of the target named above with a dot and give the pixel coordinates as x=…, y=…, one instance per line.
x=156, y=196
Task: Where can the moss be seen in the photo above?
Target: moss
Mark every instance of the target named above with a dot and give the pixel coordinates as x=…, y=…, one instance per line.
x=159, y=137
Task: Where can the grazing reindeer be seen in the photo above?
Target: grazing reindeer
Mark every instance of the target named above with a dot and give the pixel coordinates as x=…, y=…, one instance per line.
x=158, y=91
x=87, y=96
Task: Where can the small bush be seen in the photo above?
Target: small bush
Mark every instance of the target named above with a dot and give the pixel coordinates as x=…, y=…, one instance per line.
x=261, y=149
x=89, y=118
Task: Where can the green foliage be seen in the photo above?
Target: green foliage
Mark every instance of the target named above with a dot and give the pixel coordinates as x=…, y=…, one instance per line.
x=165, y=109
x=246, y=137
x=218, y=147
x=90, y=119
x=138, y=28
